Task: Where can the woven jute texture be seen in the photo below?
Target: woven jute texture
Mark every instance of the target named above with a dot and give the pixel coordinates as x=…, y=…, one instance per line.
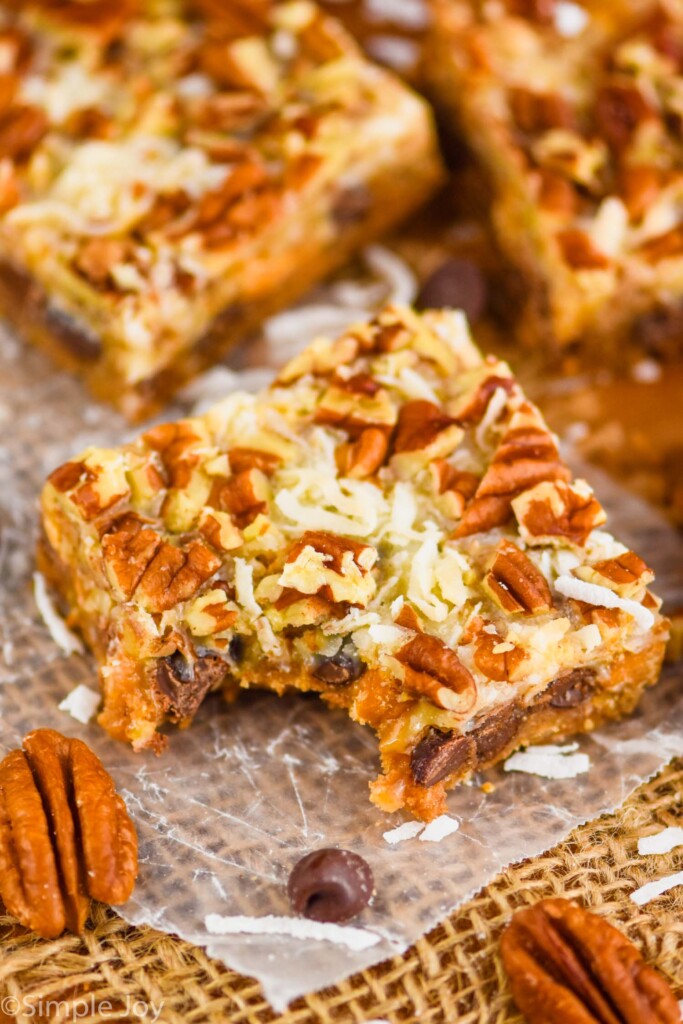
x=453, y=974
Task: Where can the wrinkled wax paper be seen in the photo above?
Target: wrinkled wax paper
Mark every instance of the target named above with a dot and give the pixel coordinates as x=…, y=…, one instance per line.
x=248, y=789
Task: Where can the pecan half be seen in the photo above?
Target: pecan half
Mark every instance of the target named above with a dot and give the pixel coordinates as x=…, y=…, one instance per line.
x=526, y=456
x=515, y=584
x=566, y=964
x=435, y=671
x=65, y=835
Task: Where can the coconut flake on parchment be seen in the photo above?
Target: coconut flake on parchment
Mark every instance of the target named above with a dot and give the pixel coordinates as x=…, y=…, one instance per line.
x=661, y=842
x=408, y=830
x=81, y=703
x=651, y=890
x=57, y=628
x=295, y=927
x=550, y=762
x=439, y=829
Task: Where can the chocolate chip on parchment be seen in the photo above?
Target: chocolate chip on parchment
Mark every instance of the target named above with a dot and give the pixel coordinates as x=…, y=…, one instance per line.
x=458, y=284
x=330, y=885
x=439, y=754
x=183, y=684
x=342, y=669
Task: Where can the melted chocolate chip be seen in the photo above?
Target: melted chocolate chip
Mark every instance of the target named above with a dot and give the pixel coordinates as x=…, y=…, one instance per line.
x=570, y=690
x=496, y=732
x=330, y=885
x=352, y=205
x=184, y=684
x=458, y=284
x=659, y=330
x=236, y=649
x=439, y=754
x=340, y=670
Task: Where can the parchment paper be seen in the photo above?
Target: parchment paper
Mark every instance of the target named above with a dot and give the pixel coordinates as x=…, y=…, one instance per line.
x=249, y=789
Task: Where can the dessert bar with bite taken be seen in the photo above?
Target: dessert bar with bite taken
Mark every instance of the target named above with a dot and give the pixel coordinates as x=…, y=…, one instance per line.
x=575, y=110
x=390, y=525
x=173, y=172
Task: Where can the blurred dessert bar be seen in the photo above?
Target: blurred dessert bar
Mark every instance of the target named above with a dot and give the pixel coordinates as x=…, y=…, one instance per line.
x=173, y=173
x=390, y=525
x=576, y=113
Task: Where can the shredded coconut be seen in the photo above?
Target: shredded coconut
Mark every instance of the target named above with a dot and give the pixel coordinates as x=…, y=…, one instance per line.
x=244, y=586
x=81, y=703
x=408, y=830
x=395, y=271
x=295, y=927
x=550, y=762
x=649, y=892
x=58, y=629
x=661, y=842
x=592, y=593
x=439, y=829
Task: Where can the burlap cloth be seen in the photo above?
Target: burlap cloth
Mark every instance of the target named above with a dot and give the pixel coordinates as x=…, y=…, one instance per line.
x=453, y=974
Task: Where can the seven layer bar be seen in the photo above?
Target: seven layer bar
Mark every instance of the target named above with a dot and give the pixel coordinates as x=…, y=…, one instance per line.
x=390, y=525
x=172, y=173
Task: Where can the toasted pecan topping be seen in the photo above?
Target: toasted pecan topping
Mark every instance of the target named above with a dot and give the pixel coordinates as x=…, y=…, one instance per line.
x=639, y=186
x=663, y=247
x=335, y=568
x=423, y=426
x=435, y=671
x=474, y=408
x=619, y=108
x=175, y=443
x=354, y=410
x=244, y=495
x=579, y=251
x=556, y=193
x=527, y=455
x=65, y=835
x=65, y=477
x=364, y=456
x=539, y=111
x=21, y=129
x=554, y=511
x=496, y=657
x=243, y=459
x=626, y=574
x=515, y=584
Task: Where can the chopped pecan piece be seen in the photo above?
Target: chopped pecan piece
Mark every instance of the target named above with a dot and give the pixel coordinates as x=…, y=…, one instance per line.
x=21, y=129
x=515, y=584
x=626, y=574
x=354, y=408
x=639, y=186
x=243, y=496
x=556, y=193
x=243, y=459
x=526, y=456
x=567, y=964
x=554, y=512
x=128, y=548
x=473, y=409
x=65, y=835
x=579, y=251
x=663, y=247
x=362, y=458
x=97, y=258
x=176, y=574
x=424, y=427
x=434, y=670
x=175, y=443
x=184, y=683
x=619, y=109
x=335, y=568
x=539, y=111
x=440, y=754
x=497, y=658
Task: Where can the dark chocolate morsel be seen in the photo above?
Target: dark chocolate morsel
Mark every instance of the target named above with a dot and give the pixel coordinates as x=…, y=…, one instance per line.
x=572, y=689
x=496, y=731
x=439, y=754
x=351, y=205
x=458, y=284
x=330, y=885
x=341, y=669
x=659, y=330
x=236, y=648
x=184, y=684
